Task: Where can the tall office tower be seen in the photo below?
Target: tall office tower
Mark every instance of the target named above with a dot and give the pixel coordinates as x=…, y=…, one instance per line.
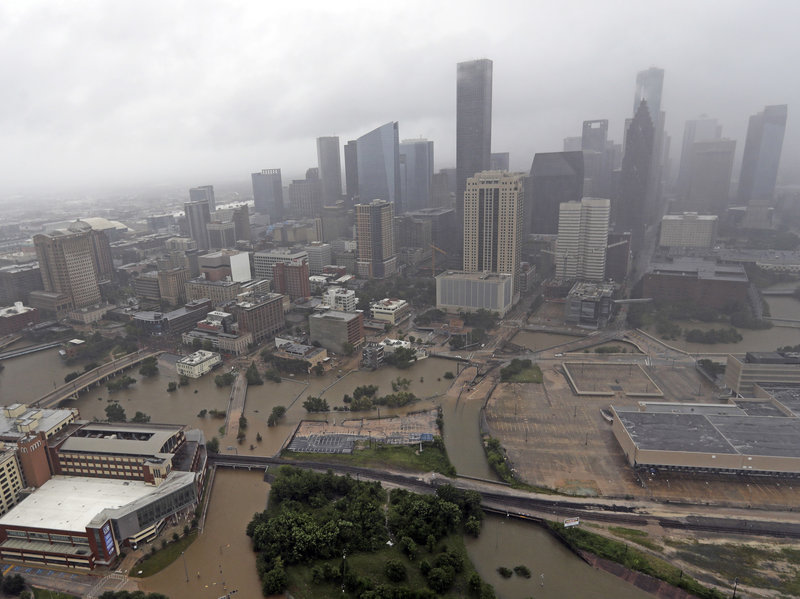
x=582, y=239
x=473, y=124
x=378, y=163
x=762, y=155
x=241, y=220
x=351, y=172
x=695, y=130
x=440, y=191
x=493, y=205
x=499, y=161
x=708, y=181
x=572, y=144
x=204, y=192
x=630, y=209
x=649, y=88
x=375, y=236
x=416, y=173
x=555, y=177
x=330, y=169
x=221, y=235
x=305, y=195
x=443, y=226
x=67, y=265
x=101, y=254
x=335, y=222
x=291, y=278
x=597, y=158
x=198, y=216
x=268, y=193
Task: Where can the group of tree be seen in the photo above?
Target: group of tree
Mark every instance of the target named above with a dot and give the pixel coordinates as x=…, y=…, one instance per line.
x=402, y=357
x=14, y=585
x=225, y=379
x=252, y=375
x=315, y=517
x=400, y=384
x=789, y=348
x=516, y=368
x=476, y=335
x=729, y=335
x=315, y=404
x=290, y=365
x=272, y=375
x=364, y=398
x=710, y=367
x=418, y=291
x=132, y=595
x=120, y=383
x=278, y=412
x=149, y=367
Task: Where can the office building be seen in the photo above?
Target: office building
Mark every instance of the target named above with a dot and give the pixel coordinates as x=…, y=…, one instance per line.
x=221, y=235
x=240, y=217
x=582, y=239
x=375, y=237
x=555, y=177
x=618, y=256
x=378, y=164
x=223, y=265
x=708, y=179
x=458, y=291
x=336, y=223
x=67, y=264
x=589, y=304
x=649, y=87
x=499, y=161
x=742, y=375
x=410, y=232
x=337, y=331
x=343, y=300
x=330, y=169
x=15, y=318
x=204, y=193
x=268, y=193
x=688, y=230
x=291, y=278
x=442, y=195
x=630, y=210
x=704, y=282
x=695, y=130
x=175, y=322
x=198, y=363
x=17, y=281
x=493, y=210
x=416, y=173
x=305, y=195
x=319, y=256
x=473, y=126
x=146, y=287
x=260, y=314
x=219, y=292
x=598, y=158
x=172, y=285
x=351, y=172
x=762, y=155
x=198, y=215
x=443, y=227
x=390, y=310
x=264, y=261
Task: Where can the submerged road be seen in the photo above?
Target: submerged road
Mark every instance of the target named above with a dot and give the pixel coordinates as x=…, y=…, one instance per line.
x=501, y=499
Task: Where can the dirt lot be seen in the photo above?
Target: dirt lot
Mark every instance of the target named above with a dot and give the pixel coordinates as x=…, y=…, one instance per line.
x=560, y=440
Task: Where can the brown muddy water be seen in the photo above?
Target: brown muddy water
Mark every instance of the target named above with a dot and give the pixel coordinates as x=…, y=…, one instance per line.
x=537, y=341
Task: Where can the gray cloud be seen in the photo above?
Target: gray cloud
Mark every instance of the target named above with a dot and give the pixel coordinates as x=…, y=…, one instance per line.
x=124, y=92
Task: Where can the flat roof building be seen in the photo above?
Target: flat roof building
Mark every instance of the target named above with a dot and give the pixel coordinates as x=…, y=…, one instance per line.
x=333, y=329
x=390, y=310
x=458, y=291
x=758, y=368
x=198, y=363
x=688, y=230
x=701, y=281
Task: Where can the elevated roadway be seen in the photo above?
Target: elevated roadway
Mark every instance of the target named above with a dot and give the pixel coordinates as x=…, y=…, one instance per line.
x=15, y=353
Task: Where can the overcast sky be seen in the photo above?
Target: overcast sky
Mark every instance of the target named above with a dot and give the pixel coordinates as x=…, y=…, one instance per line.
x=117, y=92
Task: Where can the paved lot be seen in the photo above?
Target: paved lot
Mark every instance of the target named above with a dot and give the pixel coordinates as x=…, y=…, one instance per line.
x=618, y=379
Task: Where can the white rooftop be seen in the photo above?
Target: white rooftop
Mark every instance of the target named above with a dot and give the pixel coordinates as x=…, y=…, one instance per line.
x=70, y=503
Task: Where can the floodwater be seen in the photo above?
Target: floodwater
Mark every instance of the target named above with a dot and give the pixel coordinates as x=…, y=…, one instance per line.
x=536, y=341
x=758, y=340
x=27, y=378
x=462, y=437
x=509, y=542
x=220, y=560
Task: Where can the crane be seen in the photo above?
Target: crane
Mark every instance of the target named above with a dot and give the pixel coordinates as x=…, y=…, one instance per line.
x=433, y=257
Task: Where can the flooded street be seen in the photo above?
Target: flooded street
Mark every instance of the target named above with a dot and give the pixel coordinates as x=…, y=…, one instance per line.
x=220, y=560
x=508, y=542
x=536, y=341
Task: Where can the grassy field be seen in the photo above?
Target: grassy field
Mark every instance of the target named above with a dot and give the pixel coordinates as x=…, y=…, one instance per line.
x=636, y=536
x=399, y=457
x=528, y=375
x=46, y=594
x=164, y=557
x=371, y=565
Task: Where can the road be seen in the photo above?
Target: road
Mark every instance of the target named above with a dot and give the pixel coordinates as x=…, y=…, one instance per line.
x=236, y=404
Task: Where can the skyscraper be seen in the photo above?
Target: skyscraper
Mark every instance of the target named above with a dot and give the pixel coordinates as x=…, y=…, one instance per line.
x=416, y=173
x=330, y=169
x=375, y=237
x=305, y=195
x=597, y=158
x=67, y=264
x=198, y=216
x=204, y=192
x=762, y=155
x=351, y=172
x=708, y=180
x=493, y=206
x=499, y=161
x=268, y=193
x=582, y=239
x=473, y=124
x=649, y=86
x=378, y=160
x=630, y=210
x=555, y=177
x=695, y=130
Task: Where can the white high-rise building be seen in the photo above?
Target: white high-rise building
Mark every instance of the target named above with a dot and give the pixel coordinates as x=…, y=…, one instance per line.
x=493, y=204
x=582, y=239
x=344, y=300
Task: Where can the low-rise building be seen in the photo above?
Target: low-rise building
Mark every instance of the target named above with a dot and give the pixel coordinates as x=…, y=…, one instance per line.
x=90, y=314
x=298, y=351
x=219, y=292
x=390, y=310
x=261, y=315
x=17, y=317
x=175, y=322
x=335, y=330
x=743, y=374
x=341, y=299
x=458, y=291
x=704, y=282
x=688, y=230
x=589, y=304
x=198, y=363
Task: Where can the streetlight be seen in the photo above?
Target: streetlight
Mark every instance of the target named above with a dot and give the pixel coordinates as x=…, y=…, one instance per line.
x=735, y=584
x=185, y=569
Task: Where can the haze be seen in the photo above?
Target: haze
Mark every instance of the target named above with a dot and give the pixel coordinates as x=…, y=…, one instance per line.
x=142, y=93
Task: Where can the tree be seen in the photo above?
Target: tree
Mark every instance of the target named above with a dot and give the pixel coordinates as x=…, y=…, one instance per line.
x=242, y=423
x=213, y=445
x=315, y=404
x=172, y=386
x=277, y=413
x=140, y=417
x=149, y=367
x=252, y=375
x=347, y=348
x=115, y=412
x=71, y=376
x=274, y=581
x=13, y=585
x=318, y=369
x=224, y=380
x=183, y=380
x=395, y=570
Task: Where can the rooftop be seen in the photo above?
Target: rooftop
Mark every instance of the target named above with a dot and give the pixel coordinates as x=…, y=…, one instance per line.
x=473, y=276
x=199, y=357
x=69, y=503
x=139, y=440
x=699, y=268
x=336, y=315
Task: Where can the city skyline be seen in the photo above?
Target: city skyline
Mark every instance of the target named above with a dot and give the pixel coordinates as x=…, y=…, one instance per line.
x=132, y=105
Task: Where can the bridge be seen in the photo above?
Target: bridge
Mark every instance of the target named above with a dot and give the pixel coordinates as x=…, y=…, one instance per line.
x=29, y=350
x=784, y=322
x=72, y=389
x=499, y=499
x=777, y=291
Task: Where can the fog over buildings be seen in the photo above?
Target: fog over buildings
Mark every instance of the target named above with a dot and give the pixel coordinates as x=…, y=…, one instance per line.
x=142, y=93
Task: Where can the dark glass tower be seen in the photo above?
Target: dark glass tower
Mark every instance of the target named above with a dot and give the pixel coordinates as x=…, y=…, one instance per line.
x=473, y=124
x=416, y=173
x=630, y=210
x=351, y=172
x=555, y=177
x=268, y=193
x=762, y=155
x=204, y=192
x=378, y=159
x=330, y=169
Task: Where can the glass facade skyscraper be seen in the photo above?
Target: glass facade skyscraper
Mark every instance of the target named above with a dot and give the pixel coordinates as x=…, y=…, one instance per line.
x=378, y=164
x=762, y=155
x=416, y=173
x=268, y=193
x=330, y=169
